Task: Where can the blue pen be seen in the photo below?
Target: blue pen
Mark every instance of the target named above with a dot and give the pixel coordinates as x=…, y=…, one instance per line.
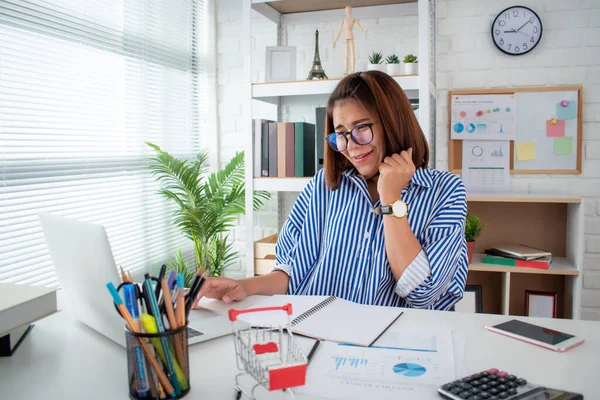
x=161, y=328
x=172, y=279
x=142, y=386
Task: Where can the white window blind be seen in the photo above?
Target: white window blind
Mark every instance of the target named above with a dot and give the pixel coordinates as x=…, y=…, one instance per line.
x=83, y=85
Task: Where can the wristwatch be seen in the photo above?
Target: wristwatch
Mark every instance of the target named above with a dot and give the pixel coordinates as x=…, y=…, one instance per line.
x=398, y=209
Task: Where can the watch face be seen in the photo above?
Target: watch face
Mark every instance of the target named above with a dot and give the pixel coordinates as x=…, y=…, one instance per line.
x=517, y=30
x=399, y=208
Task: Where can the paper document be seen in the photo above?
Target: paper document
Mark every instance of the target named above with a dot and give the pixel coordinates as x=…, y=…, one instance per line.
x=486, y=165
x=408, y=361
x=484, y=117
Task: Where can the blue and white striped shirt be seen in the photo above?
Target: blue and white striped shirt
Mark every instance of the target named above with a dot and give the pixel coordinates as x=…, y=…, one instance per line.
x=333, y=244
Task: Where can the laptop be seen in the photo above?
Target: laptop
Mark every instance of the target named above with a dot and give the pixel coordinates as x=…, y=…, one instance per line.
x=84, y=264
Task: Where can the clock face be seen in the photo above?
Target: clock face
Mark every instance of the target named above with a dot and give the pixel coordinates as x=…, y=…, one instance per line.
x=517, y=30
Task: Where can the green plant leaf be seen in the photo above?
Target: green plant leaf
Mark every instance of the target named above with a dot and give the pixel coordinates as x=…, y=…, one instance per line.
x=473, y=227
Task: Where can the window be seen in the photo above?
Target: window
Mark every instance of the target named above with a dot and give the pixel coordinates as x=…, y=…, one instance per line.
x=83, y=85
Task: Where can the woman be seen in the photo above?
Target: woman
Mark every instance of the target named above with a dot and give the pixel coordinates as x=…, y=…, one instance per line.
x=375, y=226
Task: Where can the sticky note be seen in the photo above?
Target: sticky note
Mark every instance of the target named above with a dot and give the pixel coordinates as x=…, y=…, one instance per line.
x=525, y=151
x=563, y=146
x=557, y=130
x=568, y=112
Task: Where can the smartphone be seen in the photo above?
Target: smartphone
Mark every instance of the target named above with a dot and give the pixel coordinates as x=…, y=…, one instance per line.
x=538, y=335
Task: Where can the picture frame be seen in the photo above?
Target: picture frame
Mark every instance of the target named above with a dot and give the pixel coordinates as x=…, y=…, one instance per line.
x=472, y=301
x=280, y=64
x=540, y=304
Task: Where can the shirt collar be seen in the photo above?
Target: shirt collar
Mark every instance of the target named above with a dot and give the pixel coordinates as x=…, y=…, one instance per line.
x=421, y=177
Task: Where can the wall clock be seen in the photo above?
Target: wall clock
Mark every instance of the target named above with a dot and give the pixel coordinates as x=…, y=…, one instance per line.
x=517, y=30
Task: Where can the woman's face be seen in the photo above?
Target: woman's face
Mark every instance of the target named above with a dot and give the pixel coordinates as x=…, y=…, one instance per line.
x=365, y=158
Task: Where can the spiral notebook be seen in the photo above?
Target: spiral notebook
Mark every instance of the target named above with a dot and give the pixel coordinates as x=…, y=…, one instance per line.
x=326, y=318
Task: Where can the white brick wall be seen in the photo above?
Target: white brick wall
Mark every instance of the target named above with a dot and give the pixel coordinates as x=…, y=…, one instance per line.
x=568, y=54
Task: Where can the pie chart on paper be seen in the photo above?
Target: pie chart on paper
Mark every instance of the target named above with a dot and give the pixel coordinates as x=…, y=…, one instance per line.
x=409, y=369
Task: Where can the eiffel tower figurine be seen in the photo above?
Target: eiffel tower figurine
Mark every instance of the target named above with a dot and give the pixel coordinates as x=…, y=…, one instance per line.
x=317, y=70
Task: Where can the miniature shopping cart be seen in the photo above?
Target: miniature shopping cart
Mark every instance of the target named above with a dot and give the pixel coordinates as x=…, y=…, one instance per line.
x=270, y=355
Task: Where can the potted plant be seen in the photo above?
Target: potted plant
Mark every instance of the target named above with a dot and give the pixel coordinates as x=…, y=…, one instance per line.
x=207, y=206
x=375, y=60
x=473, y=227
x=410, y=64
x=393, y=66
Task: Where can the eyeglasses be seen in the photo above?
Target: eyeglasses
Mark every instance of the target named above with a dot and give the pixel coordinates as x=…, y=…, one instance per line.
x=361, y=134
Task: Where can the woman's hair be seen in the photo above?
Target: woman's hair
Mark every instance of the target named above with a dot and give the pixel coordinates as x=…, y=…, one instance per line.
x=381, y=96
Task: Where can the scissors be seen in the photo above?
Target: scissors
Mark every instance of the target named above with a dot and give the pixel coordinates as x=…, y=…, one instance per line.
x=140, y=295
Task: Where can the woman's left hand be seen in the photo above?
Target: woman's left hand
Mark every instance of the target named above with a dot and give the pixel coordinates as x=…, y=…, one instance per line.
x=395, y=172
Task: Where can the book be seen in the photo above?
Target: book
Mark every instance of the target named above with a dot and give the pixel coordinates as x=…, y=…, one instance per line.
x=285, y=149
x=304, y=157
x=20, y=305
x=264, y=159
x=259, y=138
x=273, y=149
x=320, y=114
x=326, y=318
x=519, y=251
x=540, y=263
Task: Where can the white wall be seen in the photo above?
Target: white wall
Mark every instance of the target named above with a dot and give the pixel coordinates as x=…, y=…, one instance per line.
x=569, y=53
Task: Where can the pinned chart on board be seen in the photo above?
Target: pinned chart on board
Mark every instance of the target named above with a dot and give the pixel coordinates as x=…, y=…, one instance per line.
x=543, y=127
x=483, y=117
x=547, y=131
x=486, y=165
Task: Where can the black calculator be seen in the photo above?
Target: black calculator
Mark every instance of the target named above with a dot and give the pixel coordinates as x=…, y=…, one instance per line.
x=494, y=384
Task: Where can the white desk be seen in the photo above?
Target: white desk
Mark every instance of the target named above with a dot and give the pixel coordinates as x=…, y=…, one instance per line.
x=62, y=358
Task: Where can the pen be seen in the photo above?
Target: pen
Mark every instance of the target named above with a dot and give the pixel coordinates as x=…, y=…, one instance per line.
x=194, y=290
x=146, y=349
x=129, y=292
x=161, y=328
x=312, y=351
x=172, y=279
x=161, y=275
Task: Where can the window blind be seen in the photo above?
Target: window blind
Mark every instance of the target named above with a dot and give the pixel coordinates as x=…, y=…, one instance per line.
x=83, y=85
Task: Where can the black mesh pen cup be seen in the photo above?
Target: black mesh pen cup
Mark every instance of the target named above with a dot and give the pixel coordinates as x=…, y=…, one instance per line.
x=158, y=364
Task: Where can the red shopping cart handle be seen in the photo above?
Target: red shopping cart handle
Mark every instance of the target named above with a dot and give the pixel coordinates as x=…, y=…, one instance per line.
x=233, y=314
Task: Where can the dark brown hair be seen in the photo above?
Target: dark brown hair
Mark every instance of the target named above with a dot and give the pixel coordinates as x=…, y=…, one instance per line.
x=383, y=97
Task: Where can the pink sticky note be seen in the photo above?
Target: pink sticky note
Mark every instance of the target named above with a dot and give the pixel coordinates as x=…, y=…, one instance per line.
x=557, y=130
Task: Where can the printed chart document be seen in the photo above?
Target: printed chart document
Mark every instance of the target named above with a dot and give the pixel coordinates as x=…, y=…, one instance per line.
x=484, y=117
x=326, y=318
x=486, y=165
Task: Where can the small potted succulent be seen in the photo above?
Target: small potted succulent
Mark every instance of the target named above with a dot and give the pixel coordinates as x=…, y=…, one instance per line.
x=411, y=66
x=473, y=228
x=393, y=66
x=375, y=60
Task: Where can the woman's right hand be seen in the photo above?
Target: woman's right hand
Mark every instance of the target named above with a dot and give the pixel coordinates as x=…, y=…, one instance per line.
x=220, y=288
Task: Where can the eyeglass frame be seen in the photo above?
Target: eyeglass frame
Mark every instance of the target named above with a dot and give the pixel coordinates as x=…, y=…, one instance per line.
x=345, y=135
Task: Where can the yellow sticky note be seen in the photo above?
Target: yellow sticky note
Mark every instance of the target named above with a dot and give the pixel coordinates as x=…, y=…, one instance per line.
x=525, y=151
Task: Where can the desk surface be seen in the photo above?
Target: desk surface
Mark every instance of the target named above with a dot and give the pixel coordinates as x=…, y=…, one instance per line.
x=62, y=358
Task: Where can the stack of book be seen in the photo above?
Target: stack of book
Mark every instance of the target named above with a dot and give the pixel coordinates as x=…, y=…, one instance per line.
x=288, y=149
x=516, y=255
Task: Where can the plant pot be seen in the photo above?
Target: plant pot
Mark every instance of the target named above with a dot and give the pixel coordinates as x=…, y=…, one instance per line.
x=470, y=250
x=375, y=67
x=393, y=69
x=411, y=68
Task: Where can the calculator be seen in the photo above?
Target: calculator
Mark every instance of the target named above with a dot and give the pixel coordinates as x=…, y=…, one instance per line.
x=494, y=384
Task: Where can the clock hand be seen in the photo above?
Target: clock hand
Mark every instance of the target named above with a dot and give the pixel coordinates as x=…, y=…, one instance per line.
x=522, y=26
x=511, y=31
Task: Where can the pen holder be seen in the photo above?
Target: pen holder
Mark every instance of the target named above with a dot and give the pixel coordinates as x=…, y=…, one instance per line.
x=158, y=364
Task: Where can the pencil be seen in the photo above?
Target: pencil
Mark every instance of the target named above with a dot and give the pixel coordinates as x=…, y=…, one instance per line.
x=133, y=328
x=172, y=321
x=124, y=277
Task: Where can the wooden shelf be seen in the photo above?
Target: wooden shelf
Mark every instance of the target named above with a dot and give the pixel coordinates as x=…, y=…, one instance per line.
x=281, y=184
x=295, y=6
x=559, y=266
x=522, y=198
x=263, y=91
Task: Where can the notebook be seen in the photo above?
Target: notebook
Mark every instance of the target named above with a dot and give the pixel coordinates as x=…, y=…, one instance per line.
x=519, y=251
x=326, y=318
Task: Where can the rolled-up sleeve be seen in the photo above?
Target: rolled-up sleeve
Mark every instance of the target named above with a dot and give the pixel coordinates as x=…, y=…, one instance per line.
x=428, y=280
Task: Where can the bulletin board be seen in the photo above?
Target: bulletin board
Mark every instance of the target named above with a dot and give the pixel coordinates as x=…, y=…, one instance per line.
x=549, y=130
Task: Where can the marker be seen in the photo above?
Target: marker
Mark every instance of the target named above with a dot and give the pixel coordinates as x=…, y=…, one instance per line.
x=142, y=385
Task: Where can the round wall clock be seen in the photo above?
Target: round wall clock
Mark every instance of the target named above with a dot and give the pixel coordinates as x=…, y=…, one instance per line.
x=517, y=30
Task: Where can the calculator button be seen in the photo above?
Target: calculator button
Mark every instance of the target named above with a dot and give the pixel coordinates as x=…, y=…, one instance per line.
x=485, y=387
x=511, y=391
x=465, y=395
x=494, y=391
x=492, y=377
x=493, y=370
x=502, y=380
x=493, y=383
x=502, y=388
x=521, y=382
x=475, y=390
x=476, y=382
x=512, y=384
x=474, y=397
x=456, y=390
x=503, y=395
x=502, y=374
x=485, y=373
x=511, y=377
x=484, y=380
x=484, y=395
x=464, y=386
x=448, y=386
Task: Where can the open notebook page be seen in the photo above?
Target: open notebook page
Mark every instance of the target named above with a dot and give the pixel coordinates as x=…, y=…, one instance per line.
x=300, y=304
